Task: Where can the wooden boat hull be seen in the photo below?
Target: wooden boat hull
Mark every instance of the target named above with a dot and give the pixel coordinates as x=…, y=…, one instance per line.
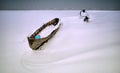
x=37, y=43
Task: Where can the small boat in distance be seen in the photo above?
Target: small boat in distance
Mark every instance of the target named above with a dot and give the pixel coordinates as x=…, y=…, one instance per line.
x=37, y=43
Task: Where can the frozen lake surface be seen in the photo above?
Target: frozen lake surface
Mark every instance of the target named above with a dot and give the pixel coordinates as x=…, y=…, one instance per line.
x=78, y=47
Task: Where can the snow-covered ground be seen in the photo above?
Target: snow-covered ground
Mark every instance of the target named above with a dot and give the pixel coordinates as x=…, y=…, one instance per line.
x=78, y=47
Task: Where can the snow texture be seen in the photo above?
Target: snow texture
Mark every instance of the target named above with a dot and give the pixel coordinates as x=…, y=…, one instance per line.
x=78, y=47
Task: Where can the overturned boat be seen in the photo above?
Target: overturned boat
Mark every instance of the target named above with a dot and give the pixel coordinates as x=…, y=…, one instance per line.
x=37, y=43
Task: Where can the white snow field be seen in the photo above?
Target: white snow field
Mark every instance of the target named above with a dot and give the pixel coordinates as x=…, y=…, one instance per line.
x=78, y=47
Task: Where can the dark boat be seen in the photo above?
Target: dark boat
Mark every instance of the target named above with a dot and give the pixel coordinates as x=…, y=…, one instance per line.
x=37, y=43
